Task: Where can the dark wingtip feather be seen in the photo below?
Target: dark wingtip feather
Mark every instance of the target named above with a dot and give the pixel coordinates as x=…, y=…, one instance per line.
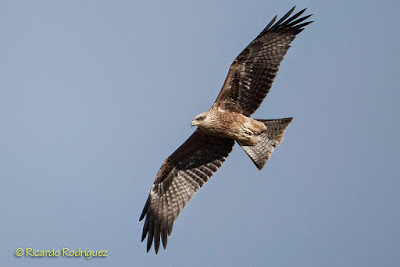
x=295, y=16
x=145, y=228
x=270, y=23
x=156, y=237
x=142, y=215
x=144, y=211
x=149, y=243
x=286, y=23
x=297, y=21
x=302, y=25
x=164, y=238
x=285, y=16
x=150, y=234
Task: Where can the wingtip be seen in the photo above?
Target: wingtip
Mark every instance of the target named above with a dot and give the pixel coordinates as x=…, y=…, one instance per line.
x=143, y=214
x=164, y=238
x=291, y=11
x=301, y=12
x=271, y=23
x=144, y=211
x=149, y=243
x=143, y=237
x=302, y=25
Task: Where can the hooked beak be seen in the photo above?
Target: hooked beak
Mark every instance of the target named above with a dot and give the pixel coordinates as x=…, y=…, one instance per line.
x=193, y=123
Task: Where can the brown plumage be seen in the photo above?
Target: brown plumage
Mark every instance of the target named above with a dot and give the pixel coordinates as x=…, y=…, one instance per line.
x=228, y=120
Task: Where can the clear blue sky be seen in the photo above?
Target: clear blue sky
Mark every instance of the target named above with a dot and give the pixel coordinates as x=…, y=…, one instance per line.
x=94, y=95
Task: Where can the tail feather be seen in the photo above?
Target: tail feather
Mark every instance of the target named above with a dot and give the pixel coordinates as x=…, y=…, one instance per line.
x=269, y=140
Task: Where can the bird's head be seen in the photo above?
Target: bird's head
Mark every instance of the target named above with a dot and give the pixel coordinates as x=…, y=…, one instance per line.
x=200, y=119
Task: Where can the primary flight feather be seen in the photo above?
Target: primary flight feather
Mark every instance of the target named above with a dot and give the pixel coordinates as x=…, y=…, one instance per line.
x=249, y=80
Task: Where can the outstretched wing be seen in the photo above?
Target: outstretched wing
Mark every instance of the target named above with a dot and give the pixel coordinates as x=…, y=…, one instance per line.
x=252, y=73
x=178, y=179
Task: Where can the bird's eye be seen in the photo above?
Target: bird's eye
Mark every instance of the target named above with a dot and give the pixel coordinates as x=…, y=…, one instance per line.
x=199, y=119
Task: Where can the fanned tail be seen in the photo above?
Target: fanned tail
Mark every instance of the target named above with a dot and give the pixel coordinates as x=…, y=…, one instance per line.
x=270, y=139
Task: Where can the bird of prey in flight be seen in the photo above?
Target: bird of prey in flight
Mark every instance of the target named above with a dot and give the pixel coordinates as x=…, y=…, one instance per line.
x=228, y=120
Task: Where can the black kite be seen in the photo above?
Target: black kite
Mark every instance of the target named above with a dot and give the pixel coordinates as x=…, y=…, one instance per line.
x=228, y=120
